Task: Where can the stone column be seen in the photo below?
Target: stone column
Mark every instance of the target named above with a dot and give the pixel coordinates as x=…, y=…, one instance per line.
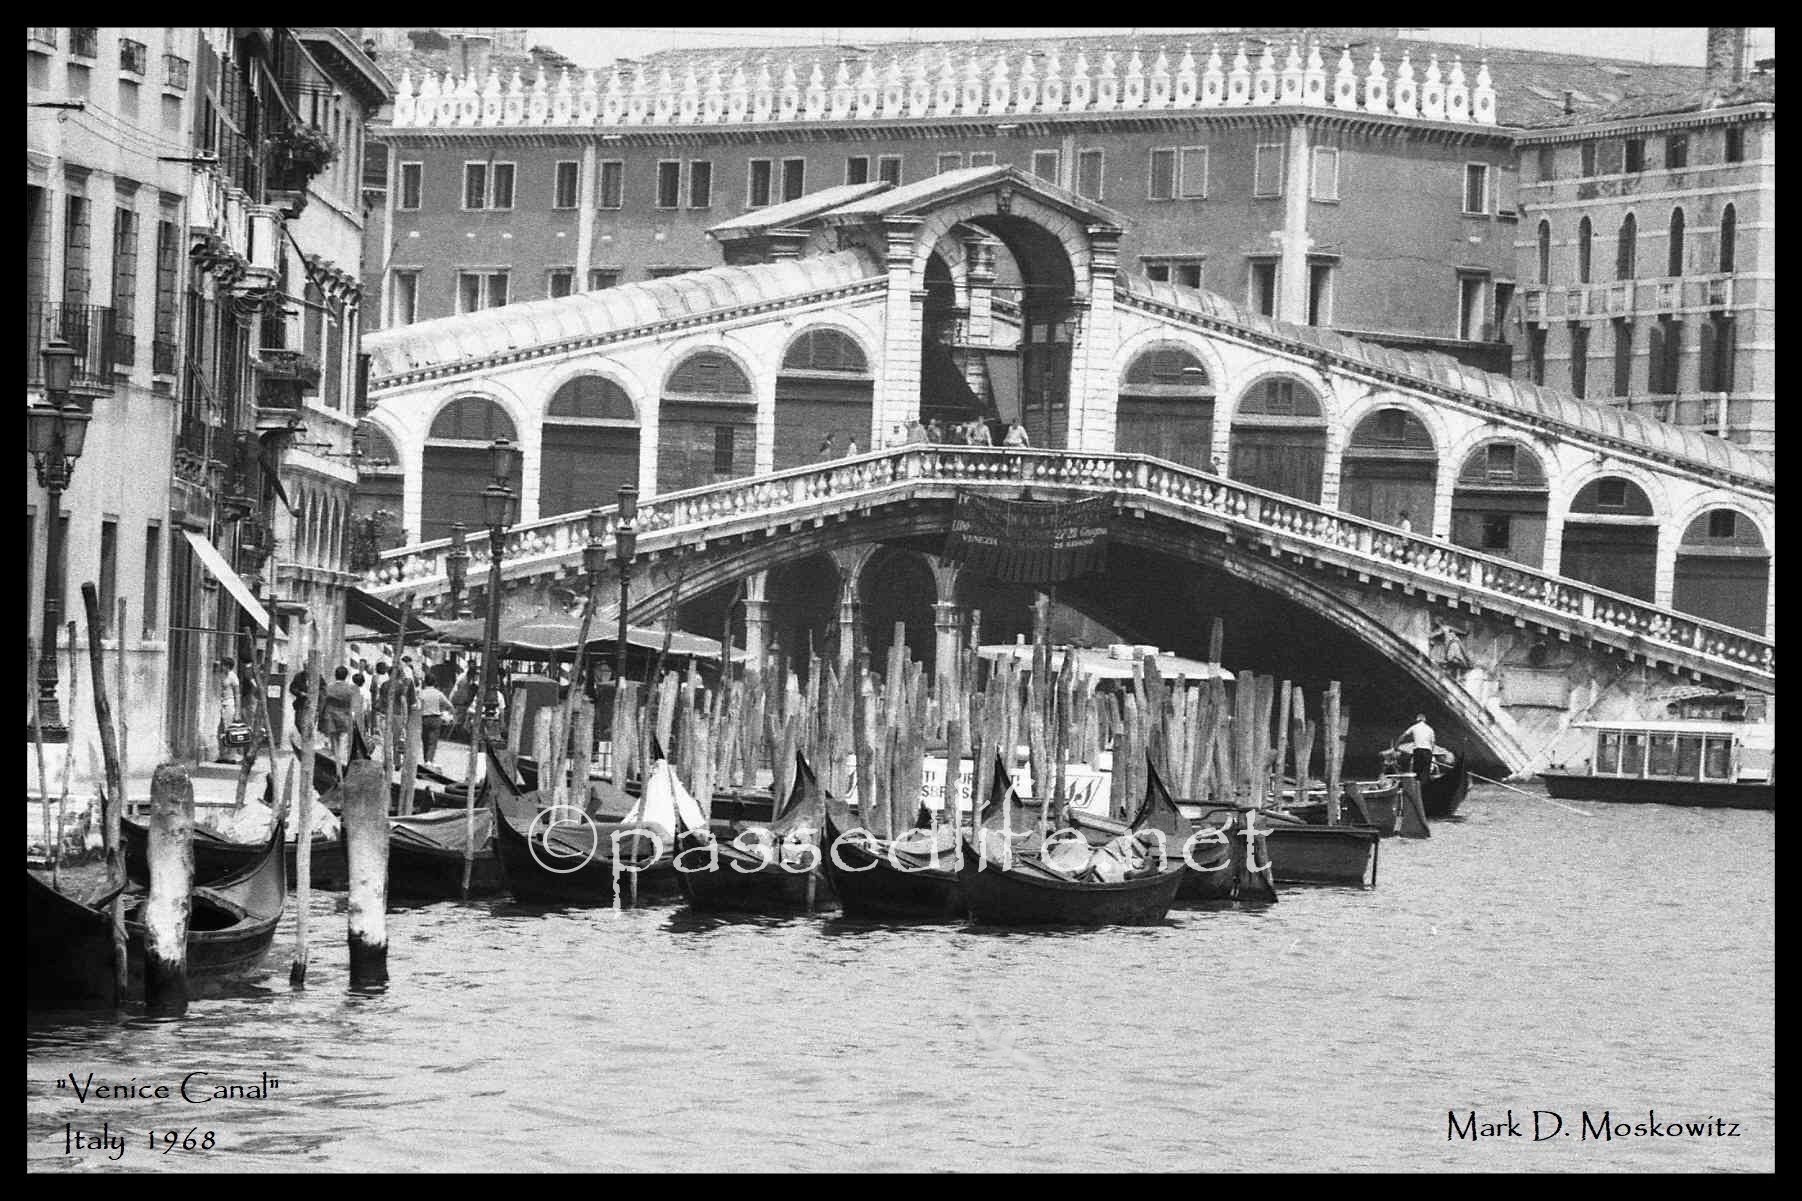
x=1292, y=274
x=1092, y=378
x=850, y=562
x=757, y=620
x=587, y=185
x=948, y=624
x=898, y=386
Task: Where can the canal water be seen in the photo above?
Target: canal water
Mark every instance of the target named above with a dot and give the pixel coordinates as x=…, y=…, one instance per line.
x=1618, y=961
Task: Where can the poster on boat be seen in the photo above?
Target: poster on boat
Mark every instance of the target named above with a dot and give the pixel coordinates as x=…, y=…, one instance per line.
x=1087, y=787
x=1029, y=541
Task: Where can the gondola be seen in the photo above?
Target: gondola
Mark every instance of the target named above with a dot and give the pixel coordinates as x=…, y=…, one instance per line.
x=570, y=863
x=1303, y=853
x=1445, y=787
x=876, y=879
x=68, y=949
x=426, y=852
x=1031, y=892
x=1217, y=876
x=231, y=922
x=741, y=881
x=1378, y=805
x=217, y=857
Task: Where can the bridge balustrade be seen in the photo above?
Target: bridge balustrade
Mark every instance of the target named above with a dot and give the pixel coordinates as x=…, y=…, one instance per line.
x=803, y=492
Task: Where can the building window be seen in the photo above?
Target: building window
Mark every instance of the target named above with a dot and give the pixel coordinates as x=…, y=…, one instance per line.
x=1611, y=493
x=109, y=577
x=475, y=185
x=1045, y=165
x=757, y=192
x=1192, y=179
x=1585, y=249
x=794, y=177
x=84, y=42
x=1626, y=248
x=1635, y=156
x=1476, y=188
x=500, y=192
x=406, y=298
x=888, y=169
x=566, y=188
x=949, y=162
x=75, y=251
x=1548, y=164
x=477, y=290
x=982, y=158
x=1665, y=351
x=1471, y=292
x=1535, y=354
x=1729, y=231
x=1579, y=358
x=1586, y=159
x=613, y=183
x=1623, y=356
x=1675, y=264
x=1734, y=149
x=669, y=184
x=600, y=278
x=125, y=287
x=1545, y=252
x=560, y=282
x=1262, y=292
x=1676, y=151
x=1089, y=165
x=1722, y=524
x=1496, y=530
x=722, y=449
x=857, y=168
x=1717, y=354
x=133, y=56
x=700, y=183
x=1267, y=169
x=1504, y=312
x=168, y=304
x=411, y=177
x=1162, y=185
x=1320, y=293
x=153, y=577
x=1186, y=272
x=1325, y=183
x=1501, y=463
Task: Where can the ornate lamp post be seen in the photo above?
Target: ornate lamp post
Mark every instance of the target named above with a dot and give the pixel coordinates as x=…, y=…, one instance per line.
x=55, y=433
x=499, y=506
x=625, y=547
x=456, y=568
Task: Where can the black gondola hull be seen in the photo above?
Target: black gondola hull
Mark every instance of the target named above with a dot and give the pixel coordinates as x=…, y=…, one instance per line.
x=1015, y=898
x=869, y=885
x=1303, y=854
x=537, y=875
x=759, y=888
x=68, y=951
x=216, y=858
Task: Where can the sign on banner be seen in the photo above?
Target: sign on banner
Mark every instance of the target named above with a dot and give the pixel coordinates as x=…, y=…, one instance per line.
x=1087, y=787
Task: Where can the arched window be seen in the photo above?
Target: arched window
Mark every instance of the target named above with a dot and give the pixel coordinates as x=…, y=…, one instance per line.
x=824, y=389
x=1584, y=242
x=825, y=350
x=458, y=466
x=1390, y=470
x=473, y=419
x=1675, y=266
x=1728, y=223
x=1601, y=546
x=1279, y=396
x=709, y=373
x=1626, y=249
x=706, y=423
x=1499, y=502
x=1545, y=252
x=1723, y=571
x=1166, y=407
x=1279, y=438
x=589, y=446
x=378, y=447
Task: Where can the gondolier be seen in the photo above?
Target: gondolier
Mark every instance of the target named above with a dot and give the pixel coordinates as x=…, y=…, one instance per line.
x=1419, y=736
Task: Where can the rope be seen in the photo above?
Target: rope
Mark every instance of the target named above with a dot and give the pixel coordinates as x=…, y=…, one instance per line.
x=1533, y=796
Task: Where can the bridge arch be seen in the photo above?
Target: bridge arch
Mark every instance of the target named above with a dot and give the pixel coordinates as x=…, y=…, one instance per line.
x=382, y=476
x=825, y=383
x=707, y=415
x=455, y=466
x=1390, y=465
x=1165, y=402
x=589, y=442
x=1722, y=568
x=1278, y=439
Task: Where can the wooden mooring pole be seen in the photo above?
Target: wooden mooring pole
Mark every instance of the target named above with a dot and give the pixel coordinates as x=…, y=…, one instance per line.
x=169, y=909
x=365, y=822
x=112, y=803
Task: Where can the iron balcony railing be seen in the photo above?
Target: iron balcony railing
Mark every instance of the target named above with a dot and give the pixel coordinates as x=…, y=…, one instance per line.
x=86, y=327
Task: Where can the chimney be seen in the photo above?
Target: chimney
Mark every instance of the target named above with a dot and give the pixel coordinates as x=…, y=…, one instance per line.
x=1726, y=59
x=1570, y=98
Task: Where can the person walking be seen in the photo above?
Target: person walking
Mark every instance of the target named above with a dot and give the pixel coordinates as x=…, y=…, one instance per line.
x=916, y=432
x=897, y=437
x=851, y=448
x=228, y=707
x=1403, y=523
x=827, y=449
x=338, y=712
x=935, y=432
x=979, y=433
x=433, y=705
x=1419, y=736
x=360, y=711
x=1016, y=434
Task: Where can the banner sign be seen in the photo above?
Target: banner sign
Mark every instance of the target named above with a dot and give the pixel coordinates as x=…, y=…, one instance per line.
x=1029, y=541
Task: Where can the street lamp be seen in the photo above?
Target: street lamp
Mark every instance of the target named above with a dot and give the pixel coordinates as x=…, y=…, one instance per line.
x=625, y=549
x=499, y=506
x=456, y=568
x=55, y=433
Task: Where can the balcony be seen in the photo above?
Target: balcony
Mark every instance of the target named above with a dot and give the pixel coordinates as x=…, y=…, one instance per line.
x=1533, y=304
x=1620, y=299
x=283, y=376
x=86, y=327
x=1719, y=292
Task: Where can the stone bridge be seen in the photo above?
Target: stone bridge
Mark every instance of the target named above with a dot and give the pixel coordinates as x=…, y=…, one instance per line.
x=1541, y=650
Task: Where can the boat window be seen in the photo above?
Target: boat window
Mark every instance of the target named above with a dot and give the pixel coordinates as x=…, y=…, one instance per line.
x=1717, y=758
x=1689, y=756
x=1608, y=753
x=1664, y=755
x=1633, y=754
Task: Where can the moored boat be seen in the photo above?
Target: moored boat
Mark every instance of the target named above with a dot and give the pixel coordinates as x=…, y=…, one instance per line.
x=426, y=853
x=1708, y=764
x=68, y=949
x=217, y=857
x=875, y=878
x=784, y=876
x=231, y=922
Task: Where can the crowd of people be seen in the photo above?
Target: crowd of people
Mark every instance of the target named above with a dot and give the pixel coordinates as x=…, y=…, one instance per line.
x=975, y=432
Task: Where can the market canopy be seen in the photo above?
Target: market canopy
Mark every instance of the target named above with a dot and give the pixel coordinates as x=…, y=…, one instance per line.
x=543, y=634
x=369, y=619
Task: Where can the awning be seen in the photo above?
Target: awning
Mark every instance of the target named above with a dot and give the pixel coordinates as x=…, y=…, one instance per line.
x=376, y=614
x=215, y=563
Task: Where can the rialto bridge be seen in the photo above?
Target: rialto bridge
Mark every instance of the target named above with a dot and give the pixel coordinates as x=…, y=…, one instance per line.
x=1506, y=556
